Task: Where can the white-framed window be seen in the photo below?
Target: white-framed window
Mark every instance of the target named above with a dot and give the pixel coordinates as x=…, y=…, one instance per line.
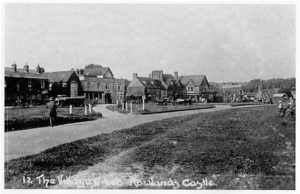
x=64, y=85
x=107, y=86
x=119, y=87
x=192, y=89
x=98, y=86
x=188, y=89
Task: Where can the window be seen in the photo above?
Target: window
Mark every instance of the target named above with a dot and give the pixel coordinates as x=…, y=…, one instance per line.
x=119, y=87
x=18, y=85
x=42, y=84
x=64, y=85
x=98, y=86
x=29, y=83
x=107, y=86
x=88, y=85
x=188, y=89
x=192, y=89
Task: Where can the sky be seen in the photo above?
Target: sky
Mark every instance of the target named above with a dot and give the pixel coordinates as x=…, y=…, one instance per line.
x=225, y=42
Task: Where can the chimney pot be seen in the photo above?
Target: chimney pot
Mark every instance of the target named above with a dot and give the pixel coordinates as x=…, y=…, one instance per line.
x=26, y=68
x=176, y=75
x=14, y=66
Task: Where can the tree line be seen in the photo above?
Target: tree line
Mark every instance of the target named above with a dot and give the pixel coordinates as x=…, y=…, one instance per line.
x=284, y=85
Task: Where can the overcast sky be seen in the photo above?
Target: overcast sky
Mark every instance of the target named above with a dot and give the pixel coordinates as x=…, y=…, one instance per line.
x=224, y=42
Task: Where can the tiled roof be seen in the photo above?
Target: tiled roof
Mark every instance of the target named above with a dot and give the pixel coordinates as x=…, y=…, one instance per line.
x=59, y=76
x=166, y=77
x=279, y=95
x=32, y=74
x=150, y=83
x=95, y=71
x=196, y=78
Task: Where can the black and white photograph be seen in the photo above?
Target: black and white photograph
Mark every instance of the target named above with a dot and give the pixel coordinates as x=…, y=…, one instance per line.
x=152, y=96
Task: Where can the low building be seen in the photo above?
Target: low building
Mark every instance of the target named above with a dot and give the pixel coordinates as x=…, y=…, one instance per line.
x=100, y=86
x=279, y=97
x=152, y=89
x=64, y=83
x=24, y=85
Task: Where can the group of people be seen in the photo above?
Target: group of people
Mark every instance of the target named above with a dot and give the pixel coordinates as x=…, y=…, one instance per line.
x=288, y=109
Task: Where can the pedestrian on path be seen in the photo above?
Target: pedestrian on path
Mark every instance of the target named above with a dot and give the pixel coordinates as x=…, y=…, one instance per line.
x=52, y=106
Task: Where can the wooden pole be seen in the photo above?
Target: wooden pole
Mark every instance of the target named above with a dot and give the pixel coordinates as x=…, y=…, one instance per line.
x=71, y=109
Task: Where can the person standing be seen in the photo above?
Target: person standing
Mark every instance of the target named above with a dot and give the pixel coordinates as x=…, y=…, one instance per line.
x=52, y=106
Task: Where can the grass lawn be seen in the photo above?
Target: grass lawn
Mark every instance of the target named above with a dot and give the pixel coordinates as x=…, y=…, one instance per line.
x=245, y=148
x=151, y=108
x=26, y=118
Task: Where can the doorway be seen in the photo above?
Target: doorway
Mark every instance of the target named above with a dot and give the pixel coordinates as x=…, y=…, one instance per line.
x=107, y=98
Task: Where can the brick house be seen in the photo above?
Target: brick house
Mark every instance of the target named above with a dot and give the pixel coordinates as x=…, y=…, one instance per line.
x=25, y=85
x=195, y=86
x=172, y=83
x=64, y=83
x=99, y=84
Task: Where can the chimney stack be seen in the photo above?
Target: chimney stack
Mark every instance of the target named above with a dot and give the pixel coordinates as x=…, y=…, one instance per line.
x=135, y=75
x=176, y=75
x=14, y=67
x=77, y=72
x=26, y=68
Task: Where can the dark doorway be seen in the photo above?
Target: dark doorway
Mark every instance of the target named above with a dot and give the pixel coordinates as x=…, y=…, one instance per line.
x=107, y=99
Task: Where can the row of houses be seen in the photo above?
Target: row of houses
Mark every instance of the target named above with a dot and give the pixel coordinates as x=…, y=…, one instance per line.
x=98, y=84
x=95, y=82
x=159, y=86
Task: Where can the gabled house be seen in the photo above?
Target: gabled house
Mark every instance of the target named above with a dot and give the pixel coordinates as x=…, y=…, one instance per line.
x=172, y=83
x=65, y=83
x=100, y=86
x=24, y=85
x=195, y=86
x=152, y=89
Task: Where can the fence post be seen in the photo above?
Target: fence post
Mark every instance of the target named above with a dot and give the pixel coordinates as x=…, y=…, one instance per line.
x=143, y=104
x=71, y=109
x=90, y=108
x=85, y=109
